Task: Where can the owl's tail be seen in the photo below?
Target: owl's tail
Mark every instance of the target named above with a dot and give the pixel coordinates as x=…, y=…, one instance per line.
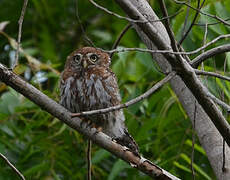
x=128, y=141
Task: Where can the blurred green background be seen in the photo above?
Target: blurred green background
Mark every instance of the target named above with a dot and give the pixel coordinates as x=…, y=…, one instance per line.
x=42, y=147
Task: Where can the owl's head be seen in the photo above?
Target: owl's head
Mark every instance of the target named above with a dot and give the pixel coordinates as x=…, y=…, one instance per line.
x=87, y=57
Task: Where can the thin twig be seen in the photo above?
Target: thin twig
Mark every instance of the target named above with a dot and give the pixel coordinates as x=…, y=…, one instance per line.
x=12, y=166
x=129, y=19
x=206, y=73
x=87, y=39
x=219, y=102
x=201, y=12
x=116, y=43
x=131, y=102
x=89, y=163
x=168, y=51
x=193, y=21
x=20, y=21
x=222, y=98
x=210, y=24
x=193, y=140
x=168, y=27
x=186, y=20
x=208, y=54
x=208, y=44
x=202, y=52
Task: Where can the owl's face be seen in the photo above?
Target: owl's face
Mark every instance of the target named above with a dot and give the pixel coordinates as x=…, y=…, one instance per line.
x=86, y=58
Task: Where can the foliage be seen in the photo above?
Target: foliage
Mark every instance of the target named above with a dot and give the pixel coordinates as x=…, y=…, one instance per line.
x=41, y=147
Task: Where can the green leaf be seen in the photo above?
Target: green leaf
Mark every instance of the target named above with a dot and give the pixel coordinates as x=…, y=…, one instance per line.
x=99, y=156
x=119, y=166
x=196, y=146
x=196, y=167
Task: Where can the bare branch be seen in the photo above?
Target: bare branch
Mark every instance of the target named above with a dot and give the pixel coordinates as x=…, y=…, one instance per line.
x=131, y=102
x=64, y=115
x=193, y=21
x=219, y=102
x=208, y=54
x=12, y=166
x=89, y=163
x=186, y=19
x=129, y=19
x=199, y=72
x=210, y=24
x=20, y=21
x=168, y=28
x=201, y=12
x=168, y=51
x=87, y=39
x=116, y=43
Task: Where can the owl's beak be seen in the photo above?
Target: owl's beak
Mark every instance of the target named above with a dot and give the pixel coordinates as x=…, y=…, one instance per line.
x=85, y=64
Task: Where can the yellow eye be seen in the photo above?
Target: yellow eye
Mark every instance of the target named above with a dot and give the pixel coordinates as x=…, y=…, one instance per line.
x=93, y=57
x=77, y=58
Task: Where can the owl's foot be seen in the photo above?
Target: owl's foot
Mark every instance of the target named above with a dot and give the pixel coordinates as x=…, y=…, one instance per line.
x=85, y=122
x=128, y=144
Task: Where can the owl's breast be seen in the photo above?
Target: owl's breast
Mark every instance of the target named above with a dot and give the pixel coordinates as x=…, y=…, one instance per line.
x=91, y=92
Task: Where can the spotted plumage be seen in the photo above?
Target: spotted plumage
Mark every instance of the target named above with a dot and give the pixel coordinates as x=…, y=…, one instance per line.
x=87, y=83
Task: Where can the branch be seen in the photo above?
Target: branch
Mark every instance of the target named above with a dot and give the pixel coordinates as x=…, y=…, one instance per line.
x=199, y=72
x=87, y=39
x=129, y=19
x=131, y=102
x=20, y=21
x=116, y=43
x=201, y=12
x=169, y=51
x=64, y=115
x=12, y=166
x=208, y=54
x=219, y=102
x=210, y=24
x=193, y=21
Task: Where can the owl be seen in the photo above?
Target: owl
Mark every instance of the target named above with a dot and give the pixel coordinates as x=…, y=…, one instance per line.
x=87, y=83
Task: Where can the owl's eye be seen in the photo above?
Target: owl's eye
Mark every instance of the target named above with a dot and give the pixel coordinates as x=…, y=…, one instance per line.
x=77, y=58
x=93, y=57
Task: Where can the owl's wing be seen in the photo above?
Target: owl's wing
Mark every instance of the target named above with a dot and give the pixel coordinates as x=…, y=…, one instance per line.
x=67, y=98
x=111, y=87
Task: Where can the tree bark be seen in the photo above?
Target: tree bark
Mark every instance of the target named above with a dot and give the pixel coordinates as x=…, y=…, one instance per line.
x=209, y=137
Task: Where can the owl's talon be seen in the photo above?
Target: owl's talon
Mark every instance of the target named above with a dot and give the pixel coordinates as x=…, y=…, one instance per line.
x=75, y=115
x=114, y=140
x=99, y=129
x=142, y=160
x=125, y=148
x=132, y=165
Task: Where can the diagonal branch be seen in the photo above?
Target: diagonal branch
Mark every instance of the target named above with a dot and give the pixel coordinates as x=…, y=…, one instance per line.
x=116, y=43
x=208, y=54
x=64, y=115
x=12, y=166
x=199, y=72
x=193, y=21
x=131, y=102
x=170, y=51
x=129, y=19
